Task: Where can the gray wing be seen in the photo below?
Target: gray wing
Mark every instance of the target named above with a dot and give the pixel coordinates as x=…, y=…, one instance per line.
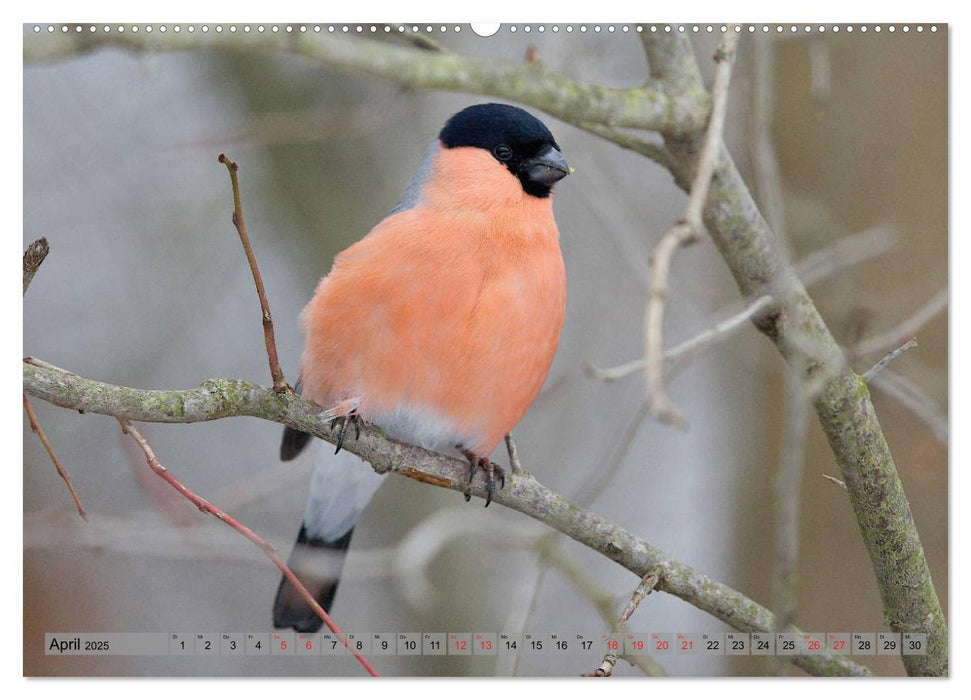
x=412, y=195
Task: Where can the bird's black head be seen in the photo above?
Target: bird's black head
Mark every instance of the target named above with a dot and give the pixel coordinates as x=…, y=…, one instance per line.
x=515, y=138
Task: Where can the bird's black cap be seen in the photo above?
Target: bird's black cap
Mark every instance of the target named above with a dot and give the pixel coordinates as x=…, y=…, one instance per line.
x=515, y=138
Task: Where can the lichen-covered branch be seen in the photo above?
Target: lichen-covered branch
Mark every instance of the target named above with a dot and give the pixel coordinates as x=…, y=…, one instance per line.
x=642, y=107
x=222, y=398
x=753, y=255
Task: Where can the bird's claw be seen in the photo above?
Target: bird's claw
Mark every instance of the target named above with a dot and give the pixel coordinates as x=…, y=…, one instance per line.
x=352, y=417
x=491, y=470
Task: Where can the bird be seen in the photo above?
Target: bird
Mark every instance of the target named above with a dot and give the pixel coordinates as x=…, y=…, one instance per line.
x=439, y=326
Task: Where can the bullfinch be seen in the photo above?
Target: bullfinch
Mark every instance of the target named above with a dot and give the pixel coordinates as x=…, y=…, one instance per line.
x=439, y=326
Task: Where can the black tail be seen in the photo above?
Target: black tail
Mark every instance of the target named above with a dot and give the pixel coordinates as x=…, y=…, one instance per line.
x=317, y=563
x=293, y=442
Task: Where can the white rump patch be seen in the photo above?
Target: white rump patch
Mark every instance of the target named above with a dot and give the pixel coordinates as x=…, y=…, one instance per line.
x=340, y=489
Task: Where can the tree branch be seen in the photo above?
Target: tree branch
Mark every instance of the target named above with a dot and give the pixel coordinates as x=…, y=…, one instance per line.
x=683, y=352
x=887, y=359
x=843, y=406
x=646, y=107
x=33, y=256
x=681, y=234
x=222, y=398
x=276, y=372
x=39, y=432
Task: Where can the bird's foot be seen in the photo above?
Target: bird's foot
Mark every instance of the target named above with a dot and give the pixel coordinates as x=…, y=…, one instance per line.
x=491, y=469
x=346, y=420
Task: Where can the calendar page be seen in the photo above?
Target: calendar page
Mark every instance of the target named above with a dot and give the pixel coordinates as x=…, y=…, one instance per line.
x=515, y=350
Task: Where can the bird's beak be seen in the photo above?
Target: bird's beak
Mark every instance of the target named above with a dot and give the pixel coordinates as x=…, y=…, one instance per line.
x=547, y=167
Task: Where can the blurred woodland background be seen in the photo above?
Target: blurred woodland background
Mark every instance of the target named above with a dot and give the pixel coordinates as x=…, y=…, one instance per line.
x=146, y=286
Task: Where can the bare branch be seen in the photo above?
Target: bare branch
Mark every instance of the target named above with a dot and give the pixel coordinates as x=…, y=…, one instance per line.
x=654, y=151
x=605, y=669
x=914, y=399
x=684, y=233
x=514, y=464
x=644, y=589
x=594, y=487
x=845, y=252
x=643, y=107
x=276, y=372
x=815, y=267
x=908, y=328
x=550, y=552
x=33, y=257
x=752, y=253
x=39, y=432
x=838, y=482
x=685, y=351
x=268, y=549
x=888, y=358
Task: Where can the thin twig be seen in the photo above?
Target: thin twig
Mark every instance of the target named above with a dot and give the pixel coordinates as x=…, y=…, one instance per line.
x=888, y=358
x=655, y=151
x=594, y=487
x=685, y=351
x=660, y=405
x=838, y=482
x=644, y=589
x=683, y=233
x=550, y=552
x=514, y=463
x=35, y=426
x=846, y=252
x=605, y=669
x=276, y=372
x=906, y=329
x=913, y=398
x=33, y=256
x=270, y=551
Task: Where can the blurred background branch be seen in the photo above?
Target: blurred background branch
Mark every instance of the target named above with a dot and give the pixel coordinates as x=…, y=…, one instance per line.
x=645, y=107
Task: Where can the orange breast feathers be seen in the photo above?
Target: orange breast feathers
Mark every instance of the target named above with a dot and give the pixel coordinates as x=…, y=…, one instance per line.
x=441, y=324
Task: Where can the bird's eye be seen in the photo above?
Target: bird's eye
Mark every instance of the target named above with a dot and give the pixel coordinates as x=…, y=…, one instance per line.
x=502, y=151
